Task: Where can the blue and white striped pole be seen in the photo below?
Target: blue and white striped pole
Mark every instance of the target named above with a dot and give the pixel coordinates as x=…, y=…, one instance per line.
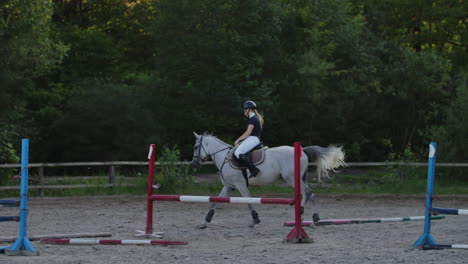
x=454, y=246
x=22, y=245
x=449, y=211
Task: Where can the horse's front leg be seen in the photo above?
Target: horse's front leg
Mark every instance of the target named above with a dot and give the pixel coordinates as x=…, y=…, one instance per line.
x=244, y=191
x=226, y=191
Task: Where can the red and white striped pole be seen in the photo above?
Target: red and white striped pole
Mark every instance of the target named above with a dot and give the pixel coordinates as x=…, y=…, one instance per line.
x=110, y=242
x=298, y=234
x=217, y=199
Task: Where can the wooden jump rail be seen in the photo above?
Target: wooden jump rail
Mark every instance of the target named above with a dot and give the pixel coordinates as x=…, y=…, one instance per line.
x=426, y=241
x=297, y=235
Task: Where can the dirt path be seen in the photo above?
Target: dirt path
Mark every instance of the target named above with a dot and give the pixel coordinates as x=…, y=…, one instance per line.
x=229, y=240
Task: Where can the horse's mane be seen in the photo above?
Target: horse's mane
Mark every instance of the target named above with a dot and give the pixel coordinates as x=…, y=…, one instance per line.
x=213, y=136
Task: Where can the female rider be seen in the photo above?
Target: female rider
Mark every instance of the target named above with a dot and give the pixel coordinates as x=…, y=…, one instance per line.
x=251, y=137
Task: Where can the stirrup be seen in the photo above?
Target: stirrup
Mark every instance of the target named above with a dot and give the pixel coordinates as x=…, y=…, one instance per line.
x=254, y=173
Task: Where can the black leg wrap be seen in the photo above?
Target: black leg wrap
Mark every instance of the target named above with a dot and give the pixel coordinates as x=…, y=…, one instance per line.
x=209, y=215
x=255, y=217
x=316, y=218
x=302, y=210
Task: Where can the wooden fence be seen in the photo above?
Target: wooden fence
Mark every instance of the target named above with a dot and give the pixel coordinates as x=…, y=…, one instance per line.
x=41, y=181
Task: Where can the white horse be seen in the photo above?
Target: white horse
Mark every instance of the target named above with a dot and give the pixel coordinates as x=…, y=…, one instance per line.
x=278, y=163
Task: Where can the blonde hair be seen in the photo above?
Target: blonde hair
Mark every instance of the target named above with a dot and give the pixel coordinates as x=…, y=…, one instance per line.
x=260, y=117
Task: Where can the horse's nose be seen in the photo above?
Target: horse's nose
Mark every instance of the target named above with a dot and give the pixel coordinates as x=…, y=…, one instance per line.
x=195, y=164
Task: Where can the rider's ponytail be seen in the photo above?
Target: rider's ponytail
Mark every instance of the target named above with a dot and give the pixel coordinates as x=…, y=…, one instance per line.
x=260, y=117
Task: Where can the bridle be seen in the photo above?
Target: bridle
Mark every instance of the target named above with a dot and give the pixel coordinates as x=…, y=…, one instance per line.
x=207, y=155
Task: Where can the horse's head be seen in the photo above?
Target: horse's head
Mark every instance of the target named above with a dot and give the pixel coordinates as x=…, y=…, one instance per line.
x=199, y=152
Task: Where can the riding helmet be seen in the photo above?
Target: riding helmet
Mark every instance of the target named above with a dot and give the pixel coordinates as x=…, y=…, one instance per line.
x=250, y=104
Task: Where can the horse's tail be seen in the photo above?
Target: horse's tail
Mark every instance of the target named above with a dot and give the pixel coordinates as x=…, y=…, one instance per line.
x=327, y=159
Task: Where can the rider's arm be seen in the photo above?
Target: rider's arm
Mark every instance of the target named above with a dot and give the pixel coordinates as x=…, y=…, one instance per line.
x=246, y=134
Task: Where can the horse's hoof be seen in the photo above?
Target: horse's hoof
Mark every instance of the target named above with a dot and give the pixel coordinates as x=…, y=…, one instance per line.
x=202, y=226
x=316, y=218
x=256, y=220
x=252, y=225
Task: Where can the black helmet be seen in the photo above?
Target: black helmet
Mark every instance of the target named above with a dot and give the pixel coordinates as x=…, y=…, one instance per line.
x=250, y=104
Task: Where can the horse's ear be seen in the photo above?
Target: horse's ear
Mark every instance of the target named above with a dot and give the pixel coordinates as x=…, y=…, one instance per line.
x=196, y=135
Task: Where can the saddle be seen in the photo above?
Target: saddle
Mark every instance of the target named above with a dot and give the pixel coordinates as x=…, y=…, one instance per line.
x=256, y=155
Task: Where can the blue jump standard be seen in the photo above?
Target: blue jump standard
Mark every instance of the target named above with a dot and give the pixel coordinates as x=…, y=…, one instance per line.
x=22, y=245
x=426, y=241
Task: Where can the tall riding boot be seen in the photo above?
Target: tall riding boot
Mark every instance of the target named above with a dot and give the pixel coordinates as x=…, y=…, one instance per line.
x=253, y=170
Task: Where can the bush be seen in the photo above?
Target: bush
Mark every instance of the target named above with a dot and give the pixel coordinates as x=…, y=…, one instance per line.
x=400, y=172
x=174, y=177
x=7, y=155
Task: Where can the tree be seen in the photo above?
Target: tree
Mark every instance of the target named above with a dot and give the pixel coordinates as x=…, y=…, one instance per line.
x=213, y=55
x=439, y=25
x=452, y=134
x=27, y=50
x=106, y=121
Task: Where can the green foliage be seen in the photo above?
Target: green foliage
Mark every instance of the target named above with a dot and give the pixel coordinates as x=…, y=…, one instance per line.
x=113, y=115
x=174, y=178
x=28, y=51
x=26, y=48
x=7, y=155
x=401, y=173
x=453, y=132
x=220, y=54
x=100, y=80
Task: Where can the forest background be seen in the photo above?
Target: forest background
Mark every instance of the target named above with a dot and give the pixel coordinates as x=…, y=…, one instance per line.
x=100, y=80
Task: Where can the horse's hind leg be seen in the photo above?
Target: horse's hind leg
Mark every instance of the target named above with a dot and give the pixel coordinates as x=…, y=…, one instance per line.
x=244, y=191
x=226, y=191
x=310, y=197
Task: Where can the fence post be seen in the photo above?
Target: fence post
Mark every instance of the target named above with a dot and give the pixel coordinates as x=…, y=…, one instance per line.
x=112, y=174
x=41, y=181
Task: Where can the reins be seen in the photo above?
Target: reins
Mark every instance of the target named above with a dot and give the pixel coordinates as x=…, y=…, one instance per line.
x=211, y=156
x=206, y=153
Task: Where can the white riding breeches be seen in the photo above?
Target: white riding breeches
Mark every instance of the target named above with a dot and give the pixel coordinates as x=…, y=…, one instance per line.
x=247, y=145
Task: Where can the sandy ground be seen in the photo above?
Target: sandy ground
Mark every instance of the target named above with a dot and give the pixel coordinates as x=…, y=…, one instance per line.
x=229, y=239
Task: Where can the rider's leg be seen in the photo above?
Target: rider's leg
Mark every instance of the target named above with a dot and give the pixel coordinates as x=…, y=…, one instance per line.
x=247, y=145
x=247, y=162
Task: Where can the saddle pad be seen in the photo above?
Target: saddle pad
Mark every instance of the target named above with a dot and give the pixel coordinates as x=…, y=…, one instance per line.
x=256, y=156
